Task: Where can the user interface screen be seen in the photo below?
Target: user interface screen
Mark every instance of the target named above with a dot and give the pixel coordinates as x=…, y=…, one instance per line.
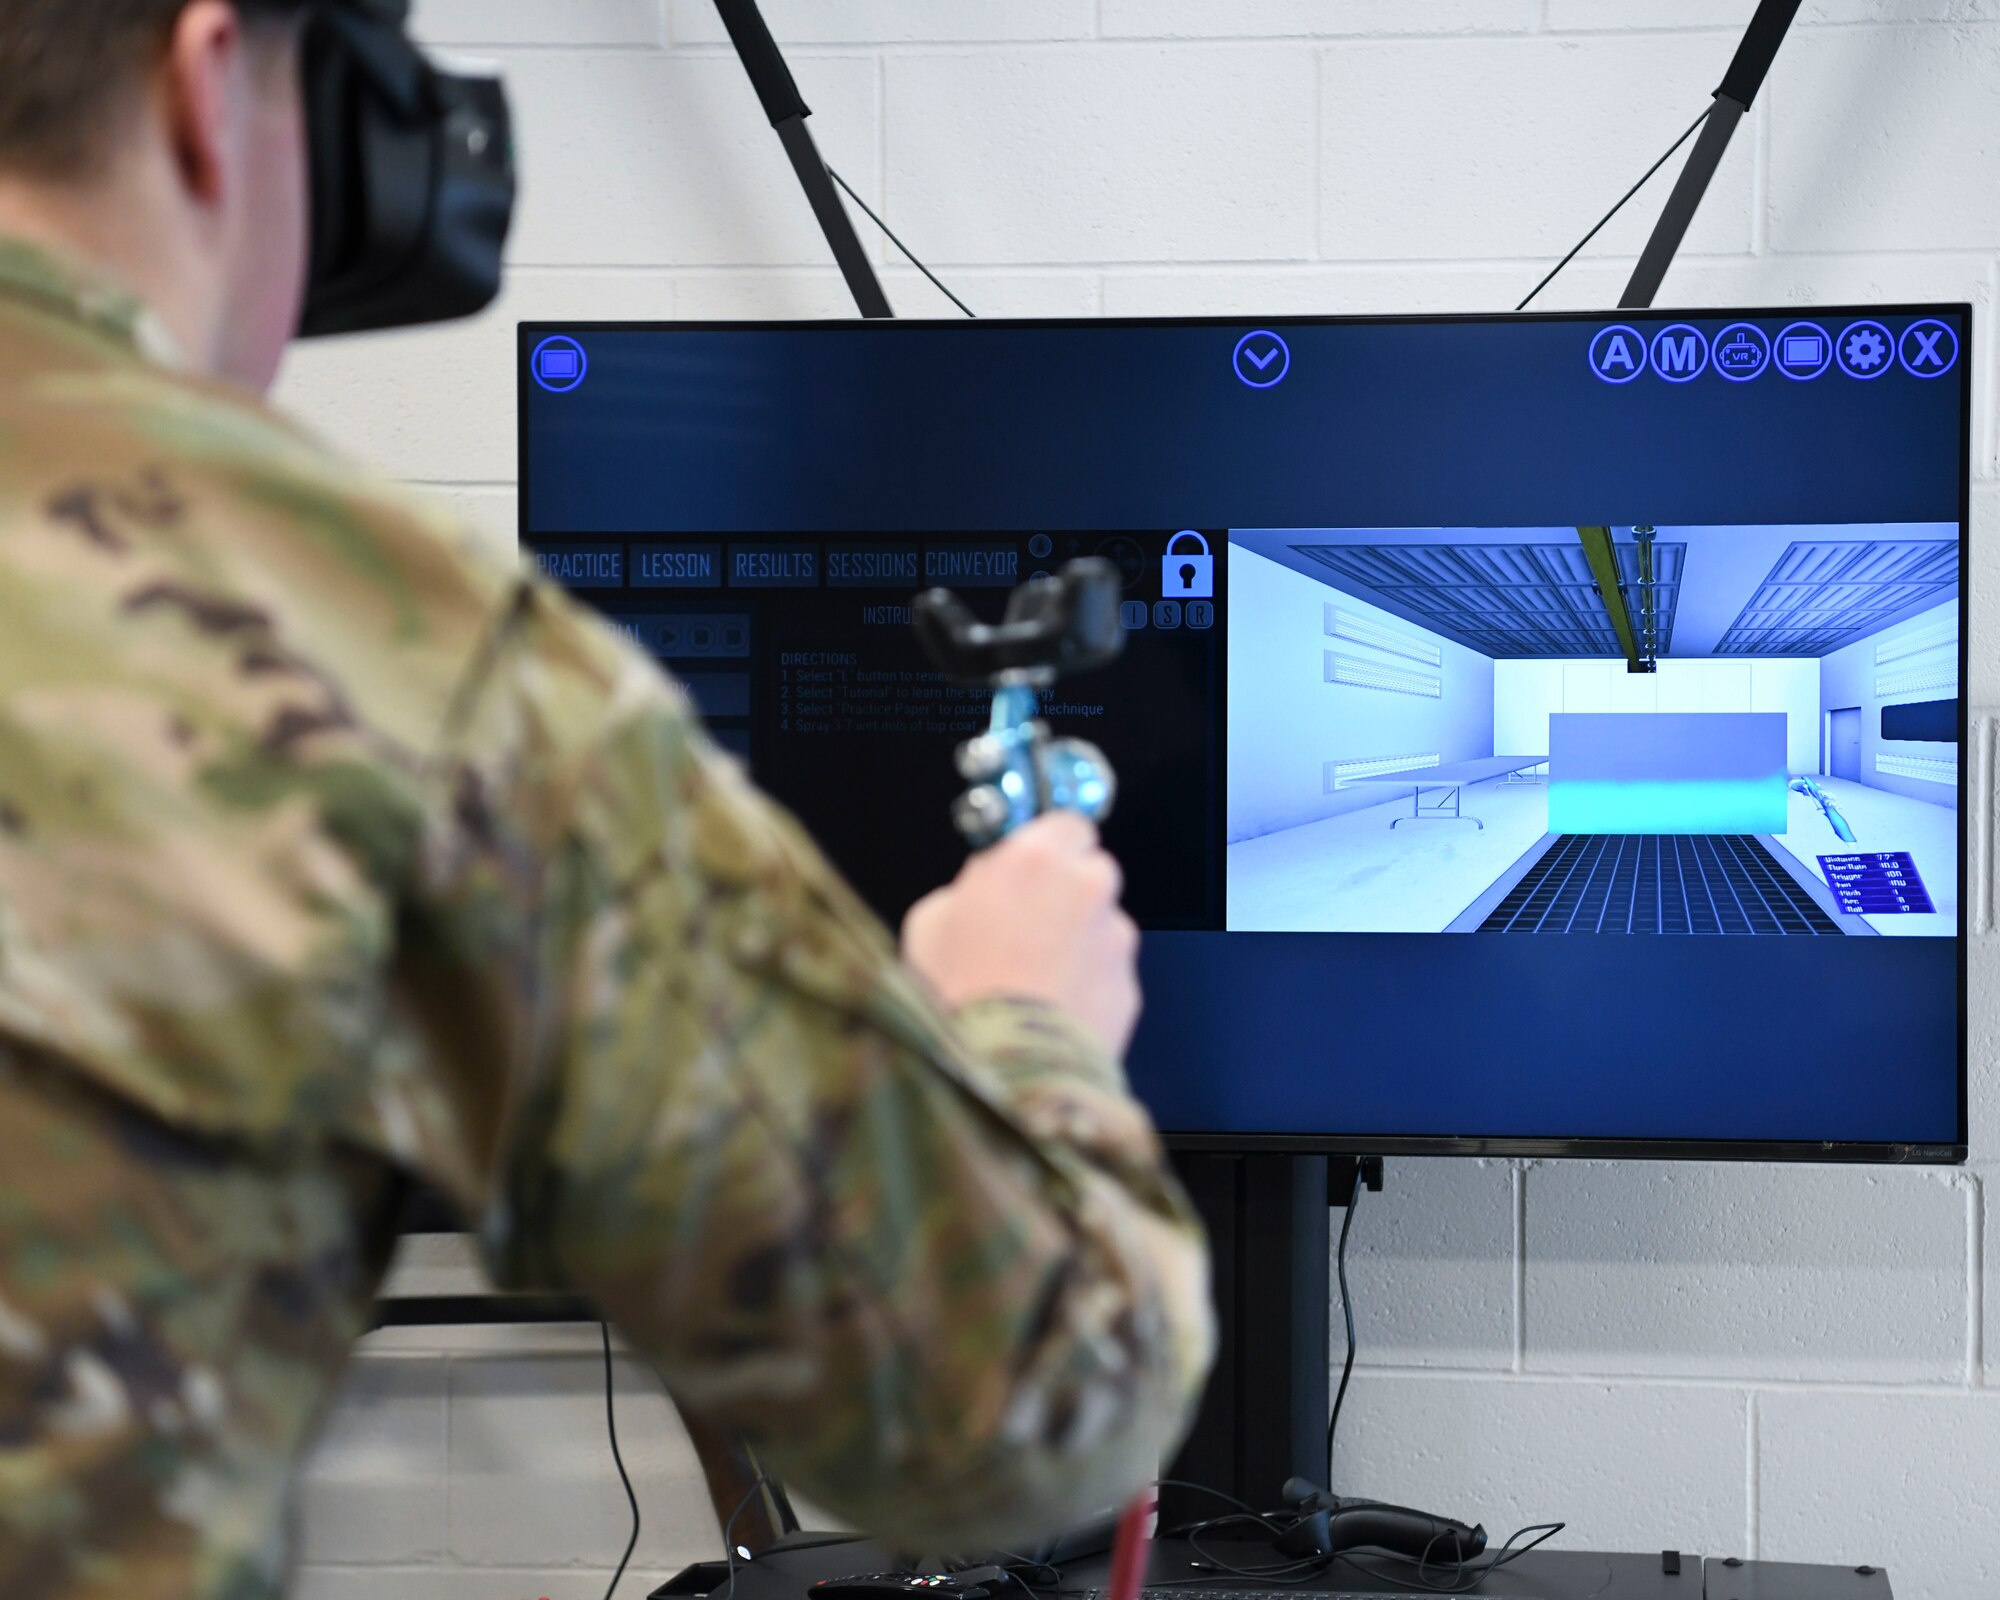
x=1537, y=728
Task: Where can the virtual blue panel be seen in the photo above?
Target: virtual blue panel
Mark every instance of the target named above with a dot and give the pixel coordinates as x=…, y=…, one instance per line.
x=1926, y=721
x=897, y=427
x=1667, y=772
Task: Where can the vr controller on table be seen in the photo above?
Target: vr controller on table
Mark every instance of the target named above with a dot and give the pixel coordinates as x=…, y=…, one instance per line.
x=1054, y=625
x=1326, y=1524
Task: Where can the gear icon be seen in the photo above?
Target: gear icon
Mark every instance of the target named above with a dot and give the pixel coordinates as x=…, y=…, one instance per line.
x=1865, y=349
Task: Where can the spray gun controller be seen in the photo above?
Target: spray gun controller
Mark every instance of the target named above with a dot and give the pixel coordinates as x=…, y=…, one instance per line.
x=1017, y=769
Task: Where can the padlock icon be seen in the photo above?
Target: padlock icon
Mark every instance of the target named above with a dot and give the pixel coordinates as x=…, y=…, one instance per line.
x=1187, y=574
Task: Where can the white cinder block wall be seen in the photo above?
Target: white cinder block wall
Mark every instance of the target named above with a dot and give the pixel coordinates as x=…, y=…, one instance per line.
x=1787, y=1363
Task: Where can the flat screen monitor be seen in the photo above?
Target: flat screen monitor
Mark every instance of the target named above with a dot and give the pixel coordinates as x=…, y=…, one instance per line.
x=1538, y=734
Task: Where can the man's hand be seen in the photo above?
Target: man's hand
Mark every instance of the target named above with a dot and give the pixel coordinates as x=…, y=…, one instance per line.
x=1035, y=916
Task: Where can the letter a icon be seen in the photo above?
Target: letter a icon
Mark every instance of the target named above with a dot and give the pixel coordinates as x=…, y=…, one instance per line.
x=1616, y=357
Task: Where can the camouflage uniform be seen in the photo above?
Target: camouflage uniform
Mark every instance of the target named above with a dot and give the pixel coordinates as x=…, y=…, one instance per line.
x=331, y=855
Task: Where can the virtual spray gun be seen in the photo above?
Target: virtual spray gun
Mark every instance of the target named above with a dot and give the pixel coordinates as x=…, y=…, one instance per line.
x=1828, y=809
x=1016, y=769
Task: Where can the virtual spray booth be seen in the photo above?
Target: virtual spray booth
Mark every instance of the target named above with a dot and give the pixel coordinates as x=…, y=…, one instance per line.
x=1440, y=730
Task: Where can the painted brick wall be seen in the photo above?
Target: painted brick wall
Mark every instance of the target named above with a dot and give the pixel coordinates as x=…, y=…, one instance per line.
x=1788, y=1363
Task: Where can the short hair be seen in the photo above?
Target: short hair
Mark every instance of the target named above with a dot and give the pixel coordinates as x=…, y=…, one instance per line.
x=67, y=68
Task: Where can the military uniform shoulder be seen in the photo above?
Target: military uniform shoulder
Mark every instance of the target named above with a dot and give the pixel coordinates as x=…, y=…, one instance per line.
x=125, y=478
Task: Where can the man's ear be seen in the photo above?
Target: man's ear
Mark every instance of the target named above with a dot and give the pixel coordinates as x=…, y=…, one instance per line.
x=199, y=85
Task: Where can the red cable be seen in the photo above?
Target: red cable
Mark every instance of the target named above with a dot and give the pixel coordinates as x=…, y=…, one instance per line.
x=1133, y=1546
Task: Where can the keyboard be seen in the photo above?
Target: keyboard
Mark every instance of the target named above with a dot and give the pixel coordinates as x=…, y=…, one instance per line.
x=1243, y=1591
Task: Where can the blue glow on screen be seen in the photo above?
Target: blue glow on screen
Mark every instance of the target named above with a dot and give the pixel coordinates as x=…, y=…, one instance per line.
x=1698, y=805
x=1737, y=438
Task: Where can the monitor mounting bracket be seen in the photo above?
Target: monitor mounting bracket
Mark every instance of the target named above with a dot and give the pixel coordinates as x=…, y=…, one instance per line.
x=787, y=109
x=1733, y=98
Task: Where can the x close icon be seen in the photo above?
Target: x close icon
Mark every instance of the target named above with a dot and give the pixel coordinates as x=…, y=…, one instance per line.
x=1928, y=349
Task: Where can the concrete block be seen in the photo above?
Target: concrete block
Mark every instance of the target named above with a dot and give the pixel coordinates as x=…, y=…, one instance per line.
x=632, y=158
x=1982, y=863
x=1627, y=1466
x=1715, y=1270
x=1875, y=134
x=1330, y=289
x=532, y=1480
x=1312, y=19
x=1585, y=15
x=1431, y=1264
x=374, y=1489
x=728, y=296
x=893, y=21
x=1985, y=1178
x=994, y=294
x=455, y=23
x=436, y=405
x=1829, y=280
x=1894, y=1480
x=1448, y=149
x=1983, y=1023
x=1106, y=153
x=1591, y=282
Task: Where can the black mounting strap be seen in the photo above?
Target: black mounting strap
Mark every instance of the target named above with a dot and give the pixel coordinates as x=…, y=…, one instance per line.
x=1732, y=100
x=787, y=109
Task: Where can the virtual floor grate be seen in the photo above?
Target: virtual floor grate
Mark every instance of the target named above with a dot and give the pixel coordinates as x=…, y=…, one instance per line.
x=1714, y=883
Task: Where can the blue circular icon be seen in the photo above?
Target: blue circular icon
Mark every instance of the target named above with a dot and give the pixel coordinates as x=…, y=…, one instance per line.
x=1679, y=352
x=1262, y=359
x=1618, y=353
x=1865, y=349
x=559, y=364
x=1803, y=351
x=1741, y=352
x=1928, y=349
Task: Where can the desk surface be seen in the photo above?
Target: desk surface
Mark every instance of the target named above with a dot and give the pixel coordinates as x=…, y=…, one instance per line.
x=1539, y=1575
x=1455, y=772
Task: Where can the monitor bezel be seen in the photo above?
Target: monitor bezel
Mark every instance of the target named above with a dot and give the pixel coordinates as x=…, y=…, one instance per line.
x=1540, y=1147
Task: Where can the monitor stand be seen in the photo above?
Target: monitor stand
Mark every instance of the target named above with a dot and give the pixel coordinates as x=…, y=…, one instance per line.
x=1263, y=1416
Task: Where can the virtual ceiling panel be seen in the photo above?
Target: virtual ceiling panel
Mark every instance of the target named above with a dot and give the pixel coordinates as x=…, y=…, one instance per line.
x=1503, y=600
x=1824, y=594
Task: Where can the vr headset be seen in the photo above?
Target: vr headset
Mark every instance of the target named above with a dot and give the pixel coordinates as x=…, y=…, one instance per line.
x=412, y=175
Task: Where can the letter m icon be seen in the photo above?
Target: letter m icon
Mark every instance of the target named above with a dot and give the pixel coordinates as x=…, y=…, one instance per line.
x=1678, y=353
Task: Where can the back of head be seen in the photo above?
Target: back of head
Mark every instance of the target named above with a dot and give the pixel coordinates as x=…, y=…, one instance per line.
x=194, y=149
x=68, y=74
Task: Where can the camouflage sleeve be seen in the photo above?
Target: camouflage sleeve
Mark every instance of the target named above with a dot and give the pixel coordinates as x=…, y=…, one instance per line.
x=933, y=1269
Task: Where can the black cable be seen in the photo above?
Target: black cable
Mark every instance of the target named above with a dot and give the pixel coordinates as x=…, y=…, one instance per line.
x=1347, y=1315
x=1655, y=167
x=898, y=243
x=1034, y=1590
x=611, y=1426
x=1464, y=1577
x=1202, y=1488
x=729, y=1532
